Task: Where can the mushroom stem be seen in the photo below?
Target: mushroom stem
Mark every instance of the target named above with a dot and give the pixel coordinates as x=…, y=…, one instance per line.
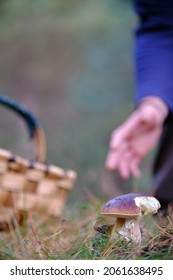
x=129, y=229
x=119, y=224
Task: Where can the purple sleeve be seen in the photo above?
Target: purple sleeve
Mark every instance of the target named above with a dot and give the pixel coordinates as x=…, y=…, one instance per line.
x=154, y=50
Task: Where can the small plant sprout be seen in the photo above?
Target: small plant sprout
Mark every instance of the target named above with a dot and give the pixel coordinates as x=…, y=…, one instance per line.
x=125, y=212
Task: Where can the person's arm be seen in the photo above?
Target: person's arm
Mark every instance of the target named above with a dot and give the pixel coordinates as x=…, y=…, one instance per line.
x=140, y=133
x=154, y=50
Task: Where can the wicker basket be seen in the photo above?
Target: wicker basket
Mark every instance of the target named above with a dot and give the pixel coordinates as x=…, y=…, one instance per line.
x=31, y=185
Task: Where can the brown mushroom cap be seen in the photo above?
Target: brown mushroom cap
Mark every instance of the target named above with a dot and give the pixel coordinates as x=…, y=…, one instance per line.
x=125, y=206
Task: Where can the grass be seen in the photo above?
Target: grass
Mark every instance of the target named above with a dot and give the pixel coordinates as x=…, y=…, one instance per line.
x=75, y=238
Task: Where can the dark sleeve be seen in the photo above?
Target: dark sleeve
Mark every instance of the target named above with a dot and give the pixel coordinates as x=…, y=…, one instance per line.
x=154, y=50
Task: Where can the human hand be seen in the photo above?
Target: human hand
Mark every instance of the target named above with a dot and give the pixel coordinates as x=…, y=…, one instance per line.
x=136, y=137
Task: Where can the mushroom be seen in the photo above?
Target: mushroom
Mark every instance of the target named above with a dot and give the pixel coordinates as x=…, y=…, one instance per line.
x=125, y=211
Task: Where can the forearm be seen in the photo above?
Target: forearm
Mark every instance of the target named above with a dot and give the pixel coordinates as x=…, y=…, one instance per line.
x=154, y=55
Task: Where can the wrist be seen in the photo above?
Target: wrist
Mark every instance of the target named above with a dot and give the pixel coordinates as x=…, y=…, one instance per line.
x=157, y=104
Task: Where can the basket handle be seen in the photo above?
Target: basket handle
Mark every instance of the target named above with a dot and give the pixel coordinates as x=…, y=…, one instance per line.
x=35, y=131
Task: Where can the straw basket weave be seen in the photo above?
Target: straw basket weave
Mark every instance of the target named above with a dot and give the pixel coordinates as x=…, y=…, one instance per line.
x=31, y=185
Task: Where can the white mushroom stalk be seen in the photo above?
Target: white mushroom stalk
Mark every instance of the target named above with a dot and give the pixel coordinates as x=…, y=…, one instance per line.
x=126, y=211
x=129, y=229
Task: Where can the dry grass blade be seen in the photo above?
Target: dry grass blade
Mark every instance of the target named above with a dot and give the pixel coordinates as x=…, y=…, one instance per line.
x=52, y=236
x=18, y=235
x=40, y=247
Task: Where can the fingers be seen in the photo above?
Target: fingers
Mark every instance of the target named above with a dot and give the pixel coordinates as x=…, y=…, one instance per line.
x=131, y=142
x=124, y=164
x=111, y=161
x=114, y=155
x=119, y=142
x=134, y=167
x=124, y=161
x=128, y=165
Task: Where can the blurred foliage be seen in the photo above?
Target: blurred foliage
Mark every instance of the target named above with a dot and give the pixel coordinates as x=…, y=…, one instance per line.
x=71, y=63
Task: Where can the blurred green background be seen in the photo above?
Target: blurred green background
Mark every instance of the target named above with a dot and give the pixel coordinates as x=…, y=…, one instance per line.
x=71, y=63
